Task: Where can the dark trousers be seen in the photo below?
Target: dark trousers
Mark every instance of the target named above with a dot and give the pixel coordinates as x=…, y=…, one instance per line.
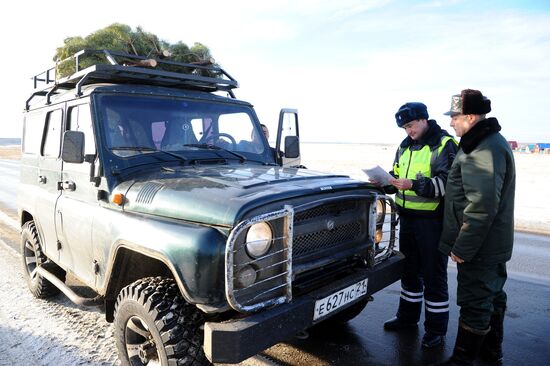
x=424, y=275
x=480, y=293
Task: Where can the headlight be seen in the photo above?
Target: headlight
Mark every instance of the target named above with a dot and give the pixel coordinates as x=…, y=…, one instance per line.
x=246, y=276
x=380, y=211
x=258, y=239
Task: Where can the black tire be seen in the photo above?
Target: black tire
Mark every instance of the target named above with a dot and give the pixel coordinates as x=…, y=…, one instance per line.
x=32, y=258
x=153, y=323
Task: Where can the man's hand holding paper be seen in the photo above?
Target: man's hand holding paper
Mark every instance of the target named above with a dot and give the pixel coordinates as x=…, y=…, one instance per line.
x=379, y=176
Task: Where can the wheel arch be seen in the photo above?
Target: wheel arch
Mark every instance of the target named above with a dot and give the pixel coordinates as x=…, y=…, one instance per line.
x=25, y=217
x=136, y=265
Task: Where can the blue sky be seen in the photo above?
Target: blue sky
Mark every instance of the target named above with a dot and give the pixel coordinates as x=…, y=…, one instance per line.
x=346, y=65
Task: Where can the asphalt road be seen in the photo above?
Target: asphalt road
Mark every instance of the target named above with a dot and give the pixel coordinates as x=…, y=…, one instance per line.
x=364, y=342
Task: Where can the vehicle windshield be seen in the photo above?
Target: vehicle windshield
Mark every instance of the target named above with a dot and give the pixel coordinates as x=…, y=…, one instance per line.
x=136, y=125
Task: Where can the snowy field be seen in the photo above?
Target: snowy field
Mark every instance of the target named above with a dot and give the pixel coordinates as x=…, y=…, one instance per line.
x=532, y=170
x=532, y=174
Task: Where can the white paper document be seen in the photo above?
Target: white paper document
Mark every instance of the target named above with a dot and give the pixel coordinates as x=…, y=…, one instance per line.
x=379, y=175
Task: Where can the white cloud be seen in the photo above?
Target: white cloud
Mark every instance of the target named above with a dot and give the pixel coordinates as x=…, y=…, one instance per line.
x=349, y=62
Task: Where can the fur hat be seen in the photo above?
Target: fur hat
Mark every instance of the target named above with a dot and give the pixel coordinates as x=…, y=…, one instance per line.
x=411, y=112
x=469, y=101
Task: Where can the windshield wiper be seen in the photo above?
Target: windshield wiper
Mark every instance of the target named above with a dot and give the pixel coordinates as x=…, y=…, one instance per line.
x=242, y=158
x=147, y=148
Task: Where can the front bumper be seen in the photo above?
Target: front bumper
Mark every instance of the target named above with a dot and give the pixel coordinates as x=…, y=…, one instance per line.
x=236, y=340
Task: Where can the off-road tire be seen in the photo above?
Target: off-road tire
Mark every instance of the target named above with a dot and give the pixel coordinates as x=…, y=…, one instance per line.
x=152, y=318
x=32, y=258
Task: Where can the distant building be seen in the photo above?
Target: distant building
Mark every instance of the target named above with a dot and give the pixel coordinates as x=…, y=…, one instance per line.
x=513, y=145
x=543, y=148
x=528, y=148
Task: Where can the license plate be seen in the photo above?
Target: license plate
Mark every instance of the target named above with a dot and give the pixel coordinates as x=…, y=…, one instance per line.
x=340, y=298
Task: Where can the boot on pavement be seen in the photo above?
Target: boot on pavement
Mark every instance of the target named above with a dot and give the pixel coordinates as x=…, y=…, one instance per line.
x=467, y=346
x=491, y=349
x=432, y=340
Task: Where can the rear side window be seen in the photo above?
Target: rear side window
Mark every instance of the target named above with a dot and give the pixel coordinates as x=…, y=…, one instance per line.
x=52, y=133
x=33, y=125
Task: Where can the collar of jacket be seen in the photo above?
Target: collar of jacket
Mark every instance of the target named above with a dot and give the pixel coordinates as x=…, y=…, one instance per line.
x=480, y=131
x=432, y=137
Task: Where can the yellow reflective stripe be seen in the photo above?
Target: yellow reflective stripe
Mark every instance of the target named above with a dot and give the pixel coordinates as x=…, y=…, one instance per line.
x=409, y=168
x=416, y=198
x=416, y=202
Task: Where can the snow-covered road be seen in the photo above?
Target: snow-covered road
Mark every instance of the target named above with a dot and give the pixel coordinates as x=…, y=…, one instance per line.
x=52, y=332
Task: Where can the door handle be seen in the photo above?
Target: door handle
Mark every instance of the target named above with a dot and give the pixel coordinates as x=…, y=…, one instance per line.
x=42, y=179
x=67, y=185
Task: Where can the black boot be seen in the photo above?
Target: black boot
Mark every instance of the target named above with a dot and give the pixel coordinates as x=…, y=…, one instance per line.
x=491, y=349
x=468, y=343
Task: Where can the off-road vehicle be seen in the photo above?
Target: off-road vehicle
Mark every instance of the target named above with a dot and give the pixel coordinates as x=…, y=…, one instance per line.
x=155, y=188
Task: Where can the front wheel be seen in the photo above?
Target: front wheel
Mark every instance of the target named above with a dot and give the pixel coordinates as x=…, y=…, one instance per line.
x=155, y=326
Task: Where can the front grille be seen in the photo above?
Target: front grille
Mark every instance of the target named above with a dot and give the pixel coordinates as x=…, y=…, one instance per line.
x=329, y=227
x=332, y=209
x=312, y=242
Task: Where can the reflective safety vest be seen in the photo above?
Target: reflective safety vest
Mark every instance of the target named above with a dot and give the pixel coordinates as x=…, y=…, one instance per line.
x=416, y=165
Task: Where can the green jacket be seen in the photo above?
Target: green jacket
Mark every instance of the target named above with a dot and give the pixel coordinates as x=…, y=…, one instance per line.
x=478, y=223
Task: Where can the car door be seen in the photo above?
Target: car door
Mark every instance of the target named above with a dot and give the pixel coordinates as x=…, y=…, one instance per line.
x=78, y=203
x=48, y=176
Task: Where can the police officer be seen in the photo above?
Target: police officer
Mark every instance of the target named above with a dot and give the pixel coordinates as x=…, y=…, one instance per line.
x=478, y=230
x=420, y=170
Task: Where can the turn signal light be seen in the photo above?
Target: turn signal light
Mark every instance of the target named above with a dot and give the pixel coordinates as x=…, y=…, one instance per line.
x=378, y=236
x=118, y=199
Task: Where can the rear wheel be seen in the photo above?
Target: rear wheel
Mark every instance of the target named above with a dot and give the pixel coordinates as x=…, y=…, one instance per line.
x=155, y=326
x=32, y=257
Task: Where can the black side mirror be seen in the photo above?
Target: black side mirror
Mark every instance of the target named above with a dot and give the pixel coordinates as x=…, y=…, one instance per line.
x=73, y=147
x=292, y=147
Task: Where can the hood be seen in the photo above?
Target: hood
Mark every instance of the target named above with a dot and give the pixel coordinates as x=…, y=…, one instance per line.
x=222, y=195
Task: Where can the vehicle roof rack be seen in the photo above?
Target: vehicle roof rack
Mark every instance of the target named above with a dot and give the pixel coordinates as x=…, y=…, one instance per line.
x=123, y=68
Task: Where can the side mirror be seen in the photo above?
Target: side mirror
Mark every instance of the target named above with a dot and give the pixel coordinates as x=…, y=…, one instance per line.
x=73, y=147
x=292, y=147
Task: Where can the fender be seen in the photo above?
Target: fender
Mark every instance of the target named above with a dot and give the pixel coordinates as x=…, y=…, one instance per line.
x=192, y=253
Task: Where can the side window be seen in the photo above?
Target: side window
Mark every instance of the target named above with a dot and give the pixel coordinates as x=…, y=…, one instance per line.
x=52, y=133
x=289, y=126
x=33, y=125
x=80, y=119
